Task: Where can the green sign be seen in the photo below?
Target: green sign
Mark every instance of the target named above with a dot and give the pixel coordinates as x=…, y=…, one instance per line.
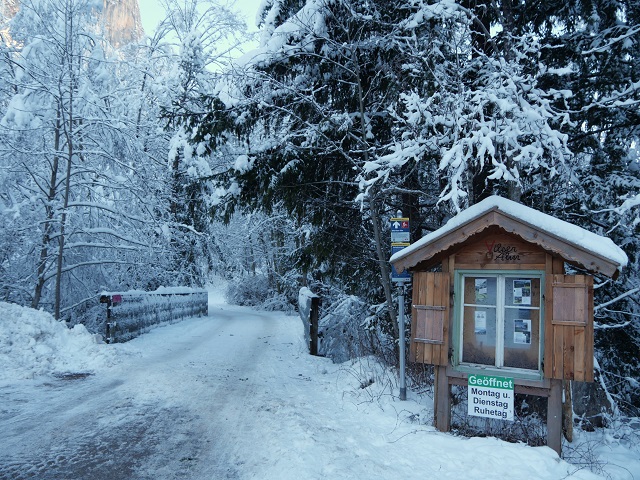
x=491, y=382
x=490, y=397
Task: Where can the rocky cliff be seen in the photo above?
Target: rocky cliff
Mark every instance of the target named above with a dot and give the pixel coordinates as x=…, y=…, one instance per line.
x=8, y=8
x=121, y=19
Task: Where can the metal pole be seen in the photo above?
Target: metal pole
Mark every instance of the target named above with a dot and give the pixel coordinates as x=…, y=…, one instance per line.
x=403, y=387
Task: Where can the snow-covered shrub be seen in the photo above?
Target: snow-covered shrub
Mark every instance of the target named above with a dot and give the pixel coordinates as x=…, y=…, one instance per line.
x=345, y=331
x=249, y=290
x=280, y=302
x=93, y=318
x=260, y=291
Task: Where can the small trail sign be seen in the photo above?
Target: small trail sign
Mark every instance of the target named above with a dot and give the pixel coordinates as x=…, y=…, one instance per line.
x=400, y=238
x=490, y=397
x=395, y=276
x=400, y=231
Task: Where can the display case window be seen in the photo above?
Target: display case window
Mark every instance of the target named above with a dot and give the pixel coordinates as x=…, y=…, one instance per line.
x=499, y=318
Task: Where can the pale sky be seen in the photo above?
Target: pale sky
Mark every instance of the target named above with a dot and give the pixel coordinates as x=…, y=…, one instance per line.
x=151, y=13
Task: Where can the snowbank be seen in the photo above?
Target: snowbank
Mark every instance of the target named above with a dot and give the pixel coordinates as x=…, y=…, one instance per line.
x=32, y=343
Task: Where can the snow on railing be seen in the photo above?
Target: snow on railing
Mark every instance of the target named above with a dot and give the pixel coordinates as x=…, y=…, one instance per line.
x=132, y=313
x=308, y=307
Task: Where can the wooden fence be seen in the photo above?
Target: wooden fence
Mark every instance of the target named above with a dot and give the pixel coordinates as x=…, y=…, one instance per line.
x=130, y=314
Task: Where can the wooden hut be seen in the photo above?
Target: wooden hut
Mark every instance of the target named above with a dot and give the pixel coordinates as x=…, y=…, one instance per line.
x=491, y=296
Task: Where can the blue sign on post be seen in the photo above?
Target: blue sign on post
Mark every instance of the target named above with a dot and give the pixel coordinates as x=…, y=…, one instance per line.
x=395, y=276
x=400, y=238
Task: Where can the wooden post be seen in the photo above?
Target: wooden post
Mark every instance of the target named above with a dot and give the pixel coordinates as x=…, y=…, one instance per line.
x=313, y=325
x=567, y=411
x=442, y=400
x=554, y=416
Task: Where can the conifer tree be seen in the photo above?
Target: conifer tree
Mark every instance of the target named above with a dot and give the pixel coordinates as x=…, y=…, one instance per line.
x=349, y=110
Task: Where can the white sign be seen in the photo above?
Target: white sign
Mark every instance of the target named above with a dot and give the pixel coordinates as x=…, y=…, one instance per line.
x=490, y=397
x=400, y=237
x=481, y=322
x=522, y=331
x=522, y=292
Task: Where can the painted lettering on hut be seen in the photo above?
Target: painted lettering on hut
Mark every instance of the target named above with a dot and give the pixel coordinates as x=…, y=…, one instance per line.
x=505, y=253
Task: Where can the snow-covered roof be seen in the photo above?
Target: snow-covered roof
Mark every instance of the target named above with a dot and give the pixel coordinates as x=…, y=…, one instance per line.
x=575, y=244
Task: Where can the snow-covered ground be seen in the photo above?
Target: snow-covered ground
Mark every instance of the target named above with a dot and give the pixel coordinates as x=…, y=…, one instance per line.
x=234, y=395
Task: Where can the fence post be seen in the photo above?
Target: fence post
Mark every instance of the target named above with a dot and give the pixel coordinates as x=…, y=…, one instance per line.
x=313, y=325
x=107, y=299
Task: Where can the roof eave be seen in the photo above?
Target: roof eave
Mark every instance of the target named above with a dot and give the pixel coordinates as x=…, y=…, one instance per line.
x=569, y=251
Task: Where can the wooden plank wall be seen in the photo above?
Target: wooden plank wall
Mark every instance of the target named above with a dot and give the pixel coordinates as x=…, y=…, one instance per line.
x=500, y=251
x=568, y=351
x=430, y=289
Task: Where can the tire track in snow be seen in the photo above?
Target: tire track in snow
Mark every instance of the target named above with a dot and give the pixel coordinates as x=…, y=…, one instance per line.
x=173, y=413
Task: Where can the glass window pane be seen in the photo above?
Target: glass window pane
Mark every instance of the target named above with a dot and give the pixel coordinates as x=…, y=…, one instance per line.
x=480, y=290
x=479, y=335
x=521, y=338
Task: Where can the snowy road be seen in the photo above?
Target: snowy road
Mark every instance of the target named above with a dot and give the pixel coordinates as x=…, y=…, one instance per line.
x=181, y=409
x=234, y=395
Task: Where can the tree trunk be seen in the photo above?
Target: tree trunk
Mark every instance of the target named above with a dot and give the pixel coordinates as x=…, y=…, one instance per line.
x=67, y=183
x=383, y=262
x=383, y=258
x=48, y=223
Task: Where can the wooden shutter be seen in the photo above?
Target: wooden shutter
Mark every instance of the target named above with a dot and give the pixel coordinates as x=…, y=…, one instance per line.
x=570, y=303
x=429, y=324
x=569, y=356
x=430, y=319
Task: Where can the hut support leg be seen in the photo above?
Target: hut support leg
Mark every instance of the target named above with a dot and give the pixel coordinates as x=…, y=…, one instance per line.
x=554, y=416
x=567, y=411
x=442, y=405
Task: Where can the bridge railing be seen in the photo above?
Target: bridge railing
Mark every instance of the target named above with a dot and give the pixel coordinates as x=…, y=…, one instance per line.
x=132, y=313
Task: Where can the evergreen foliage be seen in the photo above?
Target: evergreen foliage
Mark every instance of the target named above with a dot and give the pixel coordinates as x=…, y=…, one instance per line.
x=351, y=110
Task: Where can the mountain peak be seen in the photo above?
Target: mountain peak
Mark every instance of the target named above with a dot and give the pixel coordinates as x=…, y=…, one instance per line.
x=121, y=19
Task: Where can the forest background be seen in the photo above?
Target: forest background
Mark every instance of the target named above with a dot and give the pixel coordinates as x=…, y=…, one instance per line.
x=161, y=162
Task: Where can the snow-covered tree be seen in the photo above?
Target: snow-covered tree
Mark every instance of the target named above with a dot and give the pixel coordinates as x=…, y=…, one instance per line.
x=350, y=110
x=75, y=195
x=200, y=36
x=593, y=51
x=311, y=110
